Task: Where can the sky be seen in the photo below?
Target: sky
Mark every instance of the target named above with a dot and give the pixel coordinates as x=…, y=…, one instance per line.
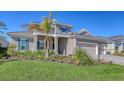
x=100, y=23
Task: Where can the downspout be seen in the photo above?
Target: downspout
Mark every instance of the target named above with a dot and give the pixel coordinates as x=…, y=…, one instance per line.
x=74, y=50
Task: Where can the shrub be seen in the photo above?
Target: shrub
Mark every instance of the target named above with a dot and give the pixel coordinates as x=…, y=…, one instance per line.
x=51, y=52
x=81, y=57
x=60, y=58
x=56, y=58
x=38, y=54
x=11, y=50
x=122, y=51
x=2, y=54
x=29, y=54
x=24, y=54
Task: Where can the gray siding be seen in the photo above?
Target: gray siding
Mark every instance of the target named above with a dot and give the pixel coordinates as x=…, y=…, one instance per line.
x=70, y=46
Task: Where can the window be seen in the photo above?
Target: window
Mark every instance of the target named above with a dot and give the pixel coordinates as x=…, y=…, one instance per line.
x=52, y=30
x=40, y=44
x=117, y=45
x=63, y=29
x=23, y=44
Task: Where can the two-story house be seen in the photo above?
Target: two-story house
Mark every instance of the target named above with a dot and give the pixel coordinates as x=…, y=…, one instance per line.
x=63, y=40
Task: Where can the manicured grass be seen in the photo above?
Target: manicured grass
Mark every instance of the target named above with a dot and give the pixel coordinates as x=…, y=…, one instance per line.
x=55, y=71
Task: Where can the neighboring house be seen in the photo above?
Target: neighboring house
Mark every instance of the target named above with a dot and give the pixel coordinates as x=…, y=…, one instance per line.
x=3, y=42
x=115, y=42
x=63, y=40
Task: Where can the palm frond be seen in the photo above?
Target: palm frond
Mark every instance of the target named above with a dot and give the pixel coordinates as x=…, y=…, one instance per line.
x=32, y=26
x=46, y=25
x=50, y=17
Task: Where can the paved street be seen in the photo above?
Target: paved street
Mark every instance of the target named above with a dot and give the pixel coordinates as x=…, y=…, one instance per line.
x=114, y=59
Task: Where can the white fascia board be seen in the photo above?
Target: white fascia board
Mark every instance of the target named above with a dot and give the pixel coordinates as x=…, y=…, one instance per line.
x=53, y=35
x=87, y=42
x=22, y=36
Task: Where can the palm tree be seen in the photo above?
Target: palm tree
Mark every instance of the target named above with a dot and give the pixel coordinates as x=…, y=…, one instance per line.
x=44, y=26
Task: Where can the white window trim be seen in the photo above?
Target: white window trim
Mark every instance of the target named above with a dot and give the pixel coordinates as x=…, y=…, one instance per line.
x=41, y=41
x=21, y=39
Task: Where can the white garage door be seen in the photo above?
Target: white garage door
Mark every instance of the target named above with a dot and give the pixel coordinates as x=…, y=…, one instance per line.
x=90, y=48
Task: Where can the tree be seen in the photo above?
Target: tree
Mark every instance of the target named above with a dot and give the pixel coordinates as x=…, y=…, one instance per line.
x=44, y=26
x=32, y=26
x=2, y=26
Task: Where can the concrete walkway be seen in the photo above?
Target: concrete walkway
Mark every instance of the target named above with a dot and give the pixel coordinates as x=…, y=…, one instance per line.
x=115, y=59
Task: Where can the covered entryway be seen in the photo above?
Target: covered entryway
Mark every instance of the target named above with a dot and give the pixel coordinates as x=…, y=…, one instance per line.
x=62, y=45
x=102, y=49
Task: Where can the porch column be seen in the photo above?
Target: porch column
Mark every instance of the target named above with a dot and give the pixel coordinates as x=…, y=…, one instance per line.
x=105, y=49
x=35, y=42
x=74, y=45
x=122, y=47
x=97, y=49
x=55, y=30
x=56, y=44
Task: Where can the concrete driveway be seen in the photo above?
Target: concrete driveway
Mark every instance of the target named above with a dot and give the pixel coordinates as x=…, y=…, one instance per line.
x=114, y=59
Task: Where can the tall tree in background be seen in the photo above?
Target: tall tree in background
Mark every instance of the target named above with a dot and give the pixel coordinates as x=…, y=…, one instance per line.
x=2, y=26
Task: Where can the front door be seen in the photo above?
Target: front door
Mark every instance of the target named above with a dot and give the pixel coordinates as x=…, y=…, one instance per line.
x=40, y=44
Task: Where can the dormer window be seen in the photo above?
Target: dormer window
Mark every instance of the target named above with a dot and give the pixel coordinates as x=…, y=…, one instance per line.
x=63, y=29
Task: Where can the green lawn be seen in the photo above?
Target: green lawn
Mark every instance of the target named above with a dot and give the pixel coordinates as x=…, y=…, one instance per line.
x=55, y=71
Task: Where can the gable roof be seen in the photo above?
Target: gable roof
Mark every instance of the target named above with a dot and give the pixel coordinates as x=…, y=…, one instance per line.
x=62, y=24
x=23, y=33
x=116, y=39
x=86, y=35
x=91, y=38
x=113, y=39
x=83, y=32
x=54, y=21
